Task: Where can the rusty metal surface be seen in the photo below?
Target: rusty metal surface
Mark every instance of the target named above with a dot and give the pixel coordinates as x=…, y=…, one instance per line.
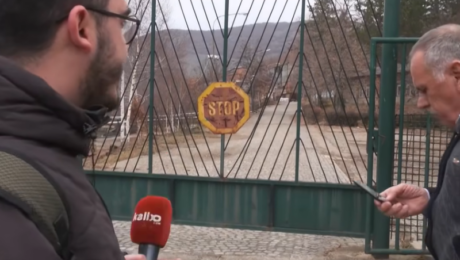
x=227, y=105
x=223, y=108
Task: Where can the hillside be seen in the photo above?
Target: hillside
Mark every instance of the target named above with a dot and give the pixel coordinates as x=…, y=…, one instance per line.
x=260, y=37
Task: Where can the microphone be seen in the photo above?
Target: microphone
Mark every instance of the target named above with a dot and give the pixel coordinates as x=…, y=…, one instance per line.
x=151, y=225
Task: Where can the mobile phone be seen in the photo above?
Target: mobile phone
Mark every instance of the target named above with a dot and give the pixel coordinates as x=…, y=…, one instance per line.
x=370, y=191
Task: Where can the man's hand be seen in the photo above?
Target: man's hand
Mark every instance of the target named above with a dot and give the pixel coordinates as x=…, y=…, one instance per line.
x=403, y=200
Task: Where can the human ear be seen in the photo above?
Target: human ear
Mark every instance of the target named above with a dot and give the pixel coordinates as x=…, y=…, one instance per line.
x=455, y=69
x=81, y=29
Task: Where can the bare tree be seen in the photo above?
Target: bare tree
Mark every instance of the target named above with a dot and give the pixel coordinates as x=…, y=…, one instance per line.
x=256, y=74
x=136, y=75
x=332, y=54
x=170, y=88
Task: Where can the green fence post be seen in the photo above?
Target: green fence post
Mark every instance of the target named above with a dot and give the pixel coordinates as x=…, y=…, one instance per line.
x=370, y=144
x=385, y=158
x=152, y=83
x=299, y=92
x=224, y=79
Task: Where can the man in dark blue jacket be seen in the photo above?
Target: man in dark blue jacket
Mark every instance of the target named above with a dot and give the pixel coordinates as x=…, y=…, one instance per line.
x=435, y=70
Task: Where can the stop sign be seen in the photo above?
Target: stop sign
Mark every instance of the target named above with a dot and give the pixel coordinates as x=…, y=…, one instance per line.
x=223, y=108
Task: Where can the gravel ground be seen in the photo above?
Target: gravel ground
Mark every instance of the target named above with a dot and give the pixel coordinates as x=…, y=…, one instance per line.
x=325, y=155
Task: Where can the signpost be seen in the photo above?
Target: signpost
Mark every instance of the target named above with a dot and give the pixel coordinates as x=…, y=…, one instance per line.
x=223, y=108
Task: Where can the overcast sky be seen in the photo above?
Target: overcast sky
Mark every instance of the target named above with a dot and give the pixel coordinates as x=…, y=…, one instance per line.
x=259, y=11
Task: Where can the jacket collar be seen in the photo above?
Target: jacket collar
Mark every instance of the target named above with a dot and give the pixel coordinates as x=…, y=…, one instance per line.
x=30, y=109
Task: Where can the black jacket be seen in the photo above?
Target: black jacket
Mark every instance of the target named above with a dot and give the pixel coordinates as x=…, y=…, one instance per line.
x=39, y=123
x=434, y=194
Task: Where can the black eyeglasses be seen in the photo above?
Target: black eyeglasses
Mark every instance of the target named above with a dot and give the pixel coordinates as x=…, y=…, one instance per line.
x=130, y=25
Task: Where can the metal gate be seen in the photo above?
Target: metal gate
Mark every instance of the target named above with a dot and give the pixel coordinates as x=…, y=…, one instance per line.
x=414, y=146
x=291, y=167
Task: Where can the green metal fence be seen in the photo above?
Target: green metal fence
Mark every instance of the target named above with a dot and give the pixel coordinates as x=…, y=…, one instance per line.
x=417, y=141
x=290, y=168
x=291, y=165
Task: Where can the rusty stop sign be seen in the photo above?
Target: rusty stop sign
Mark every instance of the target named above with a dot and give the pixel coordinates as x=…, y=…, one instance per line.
x=223, y=108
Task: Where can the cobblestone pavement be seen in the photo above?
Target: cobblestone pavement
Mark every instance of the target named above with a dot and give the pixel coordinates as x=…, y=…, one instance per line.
x=220, y=243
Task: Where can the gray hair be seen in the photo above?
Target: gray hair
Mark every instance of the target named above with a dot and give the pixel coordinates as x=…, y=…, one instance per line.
x=441, y=46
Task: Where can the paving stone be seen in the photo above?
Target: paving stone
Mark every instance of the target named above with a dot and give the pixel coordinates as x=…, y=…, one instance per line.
x=190, y=242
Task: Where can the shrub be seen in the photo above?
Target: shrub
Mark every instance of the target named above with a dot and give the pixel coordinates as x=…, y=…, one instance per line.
x=352, y=116
x=313, y=114
x=349, y=117
x=271, y=102
x=358, y=115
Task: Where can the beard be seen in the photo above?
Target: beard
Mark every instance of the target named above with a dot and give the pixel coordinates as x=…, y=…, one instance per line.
x=102, y=77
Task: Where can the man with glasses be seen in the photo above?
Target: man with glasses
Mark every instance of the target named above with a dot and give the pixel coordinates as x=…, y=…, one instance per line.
x=60, y=66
